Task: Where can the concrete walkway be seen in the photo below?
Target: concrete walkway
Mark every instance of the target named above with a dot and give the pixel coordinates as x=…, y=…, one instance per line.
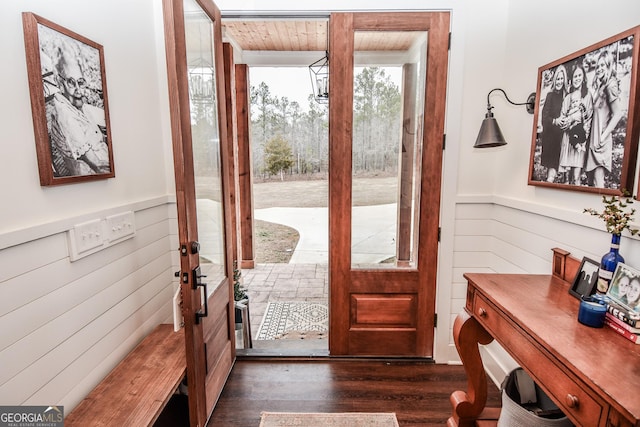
x=373, y=235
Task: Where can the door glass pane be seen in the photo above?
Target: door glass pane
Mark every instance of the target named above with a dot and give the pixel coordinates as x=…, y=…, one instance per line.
x=388, y=110
x=205, y=137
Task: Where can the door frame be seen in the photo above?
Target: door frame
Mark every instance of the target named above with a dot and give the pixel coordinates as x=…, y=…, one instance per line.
x=419, y=283
x=207, y=368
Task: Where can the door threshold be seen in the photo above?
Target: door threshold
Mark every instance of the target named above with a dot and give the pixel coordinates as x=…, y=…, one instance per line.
x=286, y=348
x=259, y=353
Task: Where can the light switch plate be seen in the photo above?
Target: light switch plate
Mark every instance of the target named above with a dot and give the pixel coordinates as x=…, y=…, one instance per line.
x=86, y=238
x=121, y=226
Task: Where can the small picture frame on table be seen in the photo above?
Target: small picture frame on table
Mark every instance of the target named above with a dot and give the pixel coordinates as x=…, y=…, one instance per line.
x=584, y=283
x=625, y=287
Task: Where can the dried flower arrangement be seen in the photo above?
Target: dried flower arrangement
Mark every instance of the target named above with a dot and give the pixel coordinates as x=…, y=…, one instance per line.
x=616, y=215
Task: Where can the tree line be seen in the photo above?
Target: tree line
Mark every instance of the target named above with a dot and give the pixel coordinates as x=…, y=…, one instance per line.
x=286, y=139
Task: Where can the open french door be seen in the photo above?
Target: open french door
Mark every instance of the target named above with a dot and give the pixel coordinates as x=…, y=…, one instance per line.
x=385, y=306
x=193, y=40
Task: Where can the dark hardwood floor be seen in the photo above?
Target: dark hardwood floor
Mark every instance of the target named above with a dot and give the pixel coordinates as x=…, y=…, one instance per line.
x=418, y=392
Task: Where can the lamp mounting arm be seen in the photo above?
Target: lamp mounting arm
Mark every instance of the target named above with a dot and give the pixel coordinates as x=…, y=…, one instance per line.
x=530, y=103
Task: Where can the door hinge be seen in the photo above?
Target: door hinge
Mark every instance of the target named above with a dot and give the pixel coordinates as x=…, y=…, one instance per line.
x=449, y=46
x=444, y=141
x=435, y=320
x=439, y=233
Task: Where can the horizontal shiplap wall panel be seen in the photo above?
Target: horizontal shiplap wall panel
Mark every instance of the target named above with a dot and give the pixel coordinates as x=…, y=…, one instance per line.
x=501, y=239
x=31, y=256
x=67, y=324
x=97, y=362
x=66, y=343
x=34, y=282
x=82, y=375
x=505, y=236
x=79, y=290
x=42, y=338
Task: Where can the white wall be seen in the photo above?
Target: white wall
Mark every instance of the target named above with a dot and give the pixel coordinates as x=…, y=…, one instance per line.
x=128, y=32
x=66, y=324
x=514, y=228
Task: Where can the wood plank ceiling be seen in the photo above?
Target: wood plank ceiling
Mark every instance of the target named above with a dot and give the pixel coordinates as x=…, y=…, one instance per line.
x=280, y=35
x=289, y=35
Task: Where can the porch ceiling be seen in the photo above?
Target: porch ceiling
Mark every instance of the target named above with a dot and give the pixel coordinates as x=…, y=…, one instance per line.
x=291, y=35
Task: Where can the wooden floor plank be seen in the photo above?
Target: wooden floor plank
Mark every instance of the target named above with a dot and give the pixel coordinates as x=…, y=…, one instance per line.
x=418, y=392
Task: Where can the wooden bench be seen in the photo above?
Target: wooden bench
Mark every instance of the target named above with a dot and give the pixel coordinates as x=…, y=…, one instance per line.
x=138, y=388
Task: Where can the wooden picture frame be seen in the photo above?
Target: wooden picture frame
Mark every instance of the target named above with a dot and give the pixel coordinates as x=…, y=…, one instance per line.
x=70, y=112
x=586, y=278
x=584, y=137
x=625, y=287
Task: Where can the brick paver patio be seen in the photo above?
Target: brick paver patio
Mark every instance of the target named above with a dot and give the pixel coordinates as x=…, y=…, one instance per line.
x=283, y=282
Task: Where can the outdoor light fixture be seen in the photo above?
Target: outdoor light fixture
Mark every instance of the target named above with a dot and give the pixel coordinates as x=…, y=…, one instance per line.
x=201, y=80
x=490, y=134
x=319, y=72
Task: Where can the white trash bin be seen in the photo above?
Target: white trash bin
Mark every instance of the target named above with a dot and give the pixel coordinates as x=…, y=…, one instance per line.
x=524, y=404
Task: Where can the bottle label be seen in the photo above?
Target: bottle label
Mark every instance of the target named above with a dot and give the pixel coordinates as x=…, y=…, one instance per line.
x=604, y=278
x=615, y=246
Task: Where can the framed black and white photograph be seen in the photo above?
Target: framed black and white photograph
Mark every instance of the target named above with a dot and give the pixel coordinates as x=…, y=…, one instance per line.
x=625, y=287
x=68, y=103
x=584, y=283
x=584, y=136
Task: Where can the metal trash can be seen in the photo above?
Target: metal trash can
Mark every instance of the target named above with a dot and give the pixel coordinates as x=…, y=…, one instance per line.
x=524, y=404
x=242, y=307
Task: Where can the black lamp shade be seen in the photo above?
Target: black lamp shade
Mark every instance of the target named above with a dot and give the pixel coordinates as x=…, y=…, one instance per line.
x=490, y=134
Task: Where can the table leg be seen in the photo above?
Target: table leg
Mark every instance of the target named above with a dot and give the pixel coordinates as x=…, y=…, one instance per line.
x=467, y=406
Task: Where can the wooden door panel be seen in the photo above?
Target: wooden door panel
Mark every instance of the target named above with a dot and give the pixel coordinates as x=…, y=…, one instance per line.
x=387, y=310
x=384, y=281
x=217, y=375
x=341, y=73
x=193, y=41
x=383, y=310
x=389, y=342
x=215, y=325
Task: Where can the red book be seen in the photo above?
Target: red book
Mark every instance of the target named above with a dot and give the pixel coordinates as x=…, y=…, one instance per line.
x=622, y=323
x=635, y=338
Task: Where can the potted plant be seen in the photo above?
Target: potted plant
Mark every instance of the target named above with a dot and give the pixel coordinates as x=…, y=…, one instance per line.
x=618, y=216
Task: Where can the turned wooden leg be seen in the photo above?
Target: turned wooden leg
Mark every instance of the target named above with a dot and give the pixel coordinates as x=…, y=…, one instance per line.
x=467, y=406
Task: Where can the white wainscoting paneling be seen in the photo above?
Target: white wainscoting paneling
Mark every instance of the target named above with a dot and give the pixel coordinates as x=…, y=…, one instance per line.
x=66, y=325
x=500, y=235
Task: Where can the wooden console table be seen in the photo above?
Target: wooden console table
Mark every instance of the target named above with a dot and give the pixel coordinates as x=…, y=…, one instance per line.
x=592, y=374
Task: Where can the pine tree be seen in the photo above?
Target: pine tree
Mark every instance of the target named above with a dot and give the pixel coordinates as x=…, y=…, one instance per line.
x=278, y=156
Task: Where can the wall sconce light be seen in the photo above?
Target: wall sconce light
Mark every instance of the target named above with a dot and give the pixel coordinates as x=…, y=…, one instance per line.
x=490, y=134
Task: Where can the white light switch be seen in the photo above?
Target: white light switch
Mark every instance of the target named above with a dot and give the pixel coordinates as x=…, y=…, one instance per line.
x=92, y=236
x=86, y=238
x=121, y=226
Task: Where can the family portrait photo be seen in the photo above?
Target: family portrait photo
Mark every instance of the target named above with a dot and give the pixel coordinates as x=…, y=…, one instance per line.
x=625, y=287
x=69, y=103
x=581, y=126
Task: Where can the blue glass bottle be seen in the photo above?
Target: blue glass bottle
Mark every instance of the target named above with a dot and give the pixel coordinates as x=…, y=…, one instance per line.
x=608, y=264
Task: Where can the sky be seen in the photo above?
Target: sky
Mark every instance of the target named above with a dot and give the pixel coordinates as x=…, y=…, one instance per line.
x=292, y=82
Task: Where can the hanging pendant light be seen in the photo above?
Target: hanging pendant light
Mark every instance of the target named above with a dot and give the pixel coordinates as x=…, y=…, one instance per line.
x=319, y=72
